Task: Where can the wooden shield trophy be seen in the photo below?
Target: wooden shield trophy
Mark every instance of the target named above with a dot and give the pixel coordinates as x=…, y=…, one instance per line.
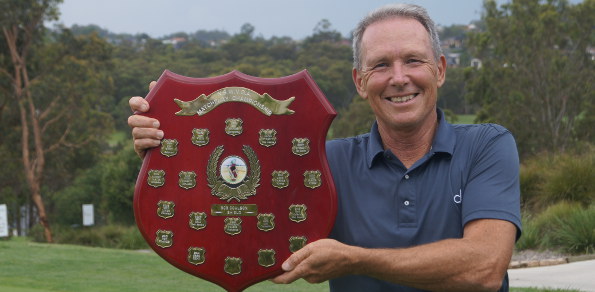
x=241, y=179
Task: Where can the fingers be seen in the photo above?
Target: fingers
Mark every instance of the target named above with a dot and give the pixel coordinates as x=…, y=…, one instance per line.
x=147, y=133
x=295, y=259
x=142, y=145
x=293, y=267
x=138, y=121
x=319, y=261
x=145, y=130
x=139, y=104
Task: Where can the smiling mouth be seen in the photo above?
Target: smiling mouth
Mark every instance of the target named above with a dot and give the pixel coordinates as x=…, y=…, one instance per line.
x=401, y=99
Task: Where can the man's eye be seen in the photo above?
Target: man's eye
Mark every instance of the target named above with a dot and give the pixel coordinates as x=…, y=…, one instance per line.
x=380, y=65
x=412, y=61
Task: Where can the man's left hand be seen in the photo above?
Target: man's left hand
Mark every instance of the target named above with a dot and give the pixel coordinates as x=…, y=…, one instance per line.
x=319, y=261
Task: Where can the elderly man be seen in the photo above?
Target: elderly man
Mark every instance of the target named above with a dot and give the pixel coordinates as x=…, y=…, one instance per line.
x=423, y=204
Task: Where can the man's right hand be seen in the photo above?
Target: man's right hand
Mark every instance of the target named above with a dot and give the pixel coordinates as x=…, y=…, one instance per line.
x=145, y=130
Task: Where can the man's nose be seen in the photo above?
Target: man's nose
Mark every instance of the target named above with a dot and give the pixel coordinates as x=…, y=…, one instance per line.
x=399, y=75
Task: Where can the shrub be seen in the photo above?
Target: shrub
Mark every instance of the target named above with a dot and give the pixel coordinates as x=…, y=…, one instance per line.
x=532, y=177
x=531, y=235
x=567, y=227
x=546, y=220
x=132, y=240
x=575, y=233
x=36, y=233
x=549, y=179
x=109, y=236
x=83, y=236
x=571, y=180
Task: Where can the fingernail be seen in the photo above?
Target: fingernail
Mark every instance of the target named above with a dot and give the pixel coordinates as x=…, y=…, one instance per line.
x=144, y=107
x=286, y=267
x=160, y=134
x=155, y=124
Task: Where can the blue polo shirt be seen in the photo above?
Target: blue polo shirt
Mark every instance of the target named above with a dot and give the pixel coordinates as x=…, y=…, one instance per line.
x=471, y=172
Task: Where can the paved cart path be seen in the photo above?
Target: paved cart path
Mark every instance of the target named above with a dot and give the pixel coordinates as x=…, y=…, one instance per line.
x=577, y=275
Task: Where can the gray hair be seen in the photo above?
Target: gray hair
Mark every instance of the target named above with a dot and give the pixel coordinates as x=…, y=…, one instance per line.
x=391, y=11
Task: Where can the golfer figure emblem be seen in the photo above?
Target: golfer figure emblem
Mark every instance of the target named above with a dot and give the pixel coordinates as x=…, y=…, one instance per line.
x=231, y=180
x=233, y=170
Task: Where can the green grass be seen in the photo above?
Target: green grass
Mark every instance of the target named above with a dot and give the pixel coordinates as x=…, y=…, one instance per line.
x=35, y=267
x=38, y=267
x=465, y=119
x=540, y=290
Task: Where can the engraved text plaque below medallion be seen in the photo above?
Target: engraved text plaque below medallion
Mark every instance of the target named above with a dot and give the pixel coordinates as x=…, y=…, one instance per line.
x=228, y=180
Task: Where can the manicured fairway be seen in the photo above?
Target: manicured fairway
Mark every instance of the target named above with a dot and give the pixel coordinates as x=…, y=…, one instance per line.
x=34, y=267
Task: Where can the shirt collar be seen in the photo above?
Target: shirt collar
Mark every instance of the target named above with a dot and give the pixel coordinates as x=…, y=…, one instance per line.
x=444, y=140
x=375, y=147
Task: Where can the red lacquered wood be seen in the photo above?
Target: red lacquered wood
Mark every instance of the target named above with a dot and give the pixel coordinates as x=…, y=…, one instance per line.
x=312, y=118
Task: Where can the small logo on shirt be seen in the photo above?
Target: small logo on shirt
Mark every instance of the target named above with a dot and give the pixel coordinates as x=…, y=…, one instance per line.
x=458, y=198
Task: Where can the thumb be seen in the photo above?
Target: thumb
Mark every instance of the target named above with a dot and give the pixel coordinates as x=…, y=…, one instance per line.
x=152, y=84
x=295, y=259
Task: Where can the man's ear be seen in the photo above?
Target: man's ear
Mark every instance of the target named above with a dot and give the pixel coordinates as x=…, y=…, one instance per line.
x=441, y=70
x=358, y=80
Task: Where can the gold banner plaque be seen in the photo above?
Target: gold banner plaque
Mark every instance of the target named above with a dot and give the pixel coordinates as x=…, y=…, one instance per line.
x=234, y=210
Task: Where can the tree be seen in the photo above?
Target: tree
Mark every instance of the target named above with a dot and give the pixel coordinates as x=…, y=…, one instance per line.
x=109, y=185
x=451, y=94
x=56, y=84
x=323, y=32
x=22, y=26
x=327, y=56
x=537, y=73
x=355, y=119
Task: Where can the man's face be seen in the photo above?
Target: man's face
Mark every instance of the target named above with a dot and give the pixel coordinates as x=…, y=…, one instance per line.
x=399, y=75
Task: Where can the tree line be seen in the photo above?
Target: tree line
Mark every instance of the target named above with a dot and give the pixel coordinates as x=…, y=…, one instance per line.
x=64, y=92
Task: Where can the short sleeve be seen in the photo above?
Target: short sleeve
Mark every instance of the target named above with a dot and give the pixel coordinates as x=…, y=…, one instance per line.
x=492, y=190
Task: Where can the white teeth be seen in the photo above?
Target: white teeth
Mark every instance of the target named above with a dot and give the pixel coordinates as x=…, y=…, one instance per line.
x=402, y=98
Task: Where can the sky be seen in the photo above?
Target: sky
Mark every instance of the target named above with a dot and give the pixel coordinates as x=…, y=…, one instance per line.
x=295, y=19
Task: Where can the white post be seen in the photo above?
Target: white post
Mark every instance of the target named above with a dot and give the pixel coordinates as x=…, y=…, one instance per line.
x=3, y=221
x=88, y=216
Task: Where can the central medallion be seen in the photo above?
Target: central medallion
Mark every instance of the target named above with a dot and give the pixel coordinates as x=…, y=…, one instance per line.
x=233, y=170
x=232, y=181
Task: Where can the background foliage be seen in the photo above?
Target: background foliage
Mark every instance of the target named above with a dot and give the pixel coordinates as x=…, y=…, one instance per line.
x=537, y=73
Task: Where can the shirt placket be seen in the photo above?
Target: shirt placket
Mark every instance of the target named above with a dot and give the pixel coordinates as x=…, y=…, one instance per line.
x=406, y=201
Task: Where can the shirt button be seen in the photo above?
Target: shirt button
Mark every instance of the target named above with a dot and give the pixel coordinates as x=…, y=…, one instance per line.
x=406, y=203
x=406, y=176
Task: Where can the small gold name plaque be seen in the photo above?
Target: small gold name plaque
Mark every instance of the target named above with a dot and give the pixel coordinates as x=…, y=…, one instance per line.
x=234, y=210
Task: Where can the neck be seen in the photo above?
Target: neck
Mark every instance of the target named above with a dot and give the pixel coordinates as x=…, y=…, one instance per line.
x=409, y=144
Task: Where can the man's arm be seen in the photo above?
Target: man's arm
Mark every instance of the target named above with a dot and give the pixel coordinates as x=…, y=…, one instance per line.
x=145, y=130
x=476, y=262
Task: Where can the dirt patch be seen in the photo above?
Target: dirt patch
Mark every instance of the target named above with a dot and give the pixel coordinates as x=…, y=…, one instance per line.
x=534, y=255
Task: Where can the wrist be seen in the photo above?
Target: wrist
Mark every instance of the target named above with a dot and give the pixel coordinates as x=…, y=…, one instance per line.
x=356, y=259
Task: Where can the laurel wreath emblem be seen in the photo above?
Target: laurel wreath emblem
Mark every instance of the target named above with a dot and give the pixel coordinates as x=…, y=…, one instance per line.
x=227, y=192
